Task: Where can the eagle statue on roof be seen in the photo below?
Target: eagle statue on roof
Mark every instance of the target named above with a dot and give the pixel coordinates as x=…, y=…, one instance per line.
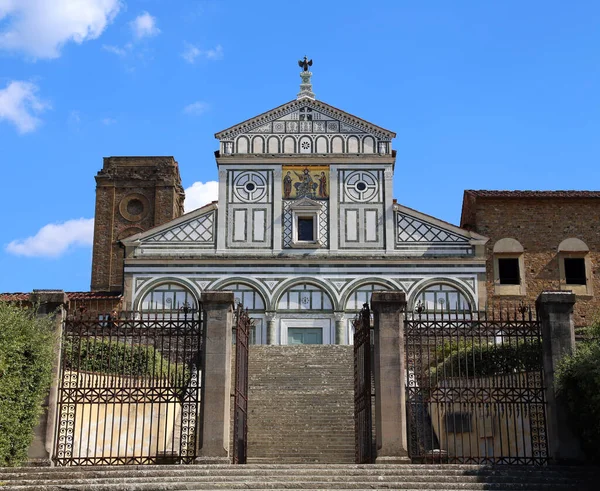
x=304, y=64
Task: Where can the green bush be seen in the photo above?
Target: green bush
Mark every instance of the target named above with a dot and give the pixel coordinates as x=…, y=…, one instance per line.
x=106, y=356
x=578, y=384
x=487, y=359
x=26, y=359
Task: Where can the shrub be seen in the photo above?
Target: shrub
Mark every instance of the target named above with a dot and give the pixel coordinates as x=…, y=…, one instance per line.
x=488, y=359
x=105, y=356
x=26, y=359
x=578, y=385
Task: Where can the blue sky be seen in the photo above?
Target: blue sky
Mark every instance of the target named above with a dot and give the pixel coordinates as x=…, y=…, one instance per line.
x=484, y=95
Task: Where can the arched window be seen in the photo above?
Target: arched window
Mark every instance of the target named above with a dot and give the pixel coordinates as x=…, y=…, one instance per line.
x=442, y=298
x=247, y=296
x=575, y=266
x=305, y=297
x=168, y=296
x=362, y=295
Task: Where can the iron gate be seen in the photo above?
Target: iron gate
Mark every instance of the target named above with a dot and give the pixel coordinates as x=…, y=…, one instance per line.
x=474, y=387
x=129, y=388
x=363, y=378
x=243, y=325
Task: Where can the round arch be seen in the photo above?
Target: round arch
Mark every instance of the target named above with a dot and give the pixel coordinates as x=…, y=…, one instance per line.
x=302, y=281
x=250, y=283
x=354, y=286
x=167, y=280
x=426, y=284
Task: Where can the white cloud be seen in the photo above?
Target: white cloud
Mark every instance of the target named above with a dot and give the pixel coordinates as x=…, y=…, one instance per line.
x=191, y=53
x=108, y=121
x=40, y=28
x=144, y=25
x=200, y=194
x=114, y=49
x=20, y=105
x=53, y=240
x=197, y=107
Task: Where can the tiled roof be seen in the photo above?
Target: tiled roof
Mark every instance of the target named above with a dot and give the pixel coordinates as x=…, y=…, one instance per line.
x=14, y=297
x=24, y=297
x=482, y=193
x=92, y=295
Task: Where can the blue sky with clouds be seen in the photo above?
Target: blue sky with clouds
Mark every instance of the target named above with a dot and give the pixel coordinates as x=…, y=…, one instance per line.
x=485, y=95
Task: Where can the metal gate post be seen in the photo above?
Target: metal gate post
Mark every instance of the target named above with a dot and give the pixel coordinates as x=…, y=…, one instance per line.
x=216, y=386
x=390, y=392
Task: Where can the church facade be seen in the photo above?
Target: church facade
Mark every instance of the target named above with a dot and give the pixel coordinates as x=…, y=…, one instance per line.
x=304, y=230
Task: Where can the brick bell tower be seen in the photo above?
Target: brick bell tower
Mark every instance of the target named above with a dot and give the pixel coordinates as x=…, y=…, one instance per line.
x=133, y=194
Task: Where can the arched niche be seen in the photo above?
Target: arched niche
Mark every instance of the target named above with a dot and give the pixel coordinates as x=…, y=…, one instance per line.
x=258, y=145
x=337, y=144
x=368, y=144
x=353, y=145
x=321, y=144
x=273, y=144
x=289, y=145
x=243, y=144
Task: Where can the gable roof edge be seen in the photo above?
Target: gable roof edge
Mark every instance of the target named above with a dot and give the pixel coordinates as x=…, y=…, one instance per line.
x=282, y=110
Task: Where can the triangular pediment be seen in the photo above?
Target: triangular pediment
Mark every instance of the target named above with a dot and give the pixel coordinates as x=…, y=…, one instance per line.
x=305, y=116
x=413, y=227
x=197, y=227
x=305, y=203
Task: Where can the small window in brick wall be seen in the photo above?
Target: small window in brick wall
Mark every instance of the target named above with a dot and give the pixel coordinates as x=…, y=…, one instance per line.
x=575, y=271
x=508, y=271
x=458, y=422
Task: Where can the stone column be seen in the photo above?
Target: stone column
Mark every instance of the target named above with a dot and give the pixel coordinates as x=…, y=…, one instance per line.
x=555, y=312
x=390, y=392
x=41, y=450
x=271, y=318
x=339, y=327
x=218, y=318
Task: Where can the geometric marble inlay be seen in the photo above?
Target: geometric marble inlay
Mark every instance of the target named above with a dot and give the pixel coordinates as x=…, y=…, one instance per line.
x=412, y=230
x=197, y=230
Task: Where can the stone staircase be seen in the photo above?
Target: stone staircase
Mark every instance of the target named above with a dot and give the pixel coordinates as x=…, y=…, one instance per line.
x=301, y=404
x=300, y=476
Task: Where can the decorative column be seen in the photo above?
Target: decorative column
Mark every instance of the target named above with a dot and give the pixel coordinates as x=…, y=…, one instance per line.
x=555, y=312
x=218, y=324
x=339, y=327
x=390, y=393
x=48, y=302
x=271, y=327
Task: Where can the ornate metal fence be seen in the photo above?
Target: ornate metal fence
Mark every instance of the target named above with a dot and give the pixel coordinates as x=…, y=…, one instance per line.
x=240, y=419
x=474, y=387
x=363, y=378
x=130, y=388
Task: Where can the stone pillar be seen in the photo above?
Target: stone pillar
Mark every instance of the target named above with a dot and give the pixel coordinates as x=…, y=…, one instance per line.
x=218, y=317
x=339, y=327
x=271, y=318
x=41, y=449
x=555, y=312
x=390, y=392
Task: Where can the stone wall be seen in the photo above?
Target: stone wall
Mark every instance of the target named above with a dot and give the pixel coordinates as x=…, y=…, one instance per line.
x=133, y=194
x=540, y=221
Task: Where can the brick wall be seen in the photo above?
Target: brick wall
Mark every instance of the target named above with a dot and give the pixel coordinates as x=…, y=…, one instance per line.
x=540, y=224
x=133, y=194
